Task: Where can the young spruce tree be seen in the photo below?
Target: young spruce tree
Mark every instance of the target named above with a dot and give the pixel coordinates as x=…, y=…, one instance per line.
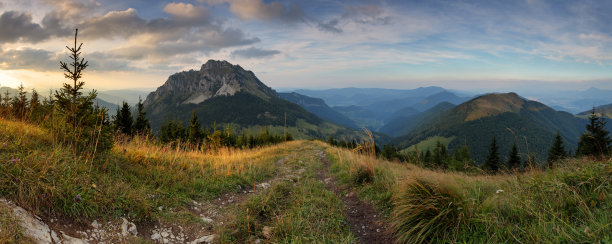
x=195, y=131
x=82, y=123
x=123, y=119
x=514, y=160
x=141, y=125
x=556, y=151
x=595, y=141
x=492, y=162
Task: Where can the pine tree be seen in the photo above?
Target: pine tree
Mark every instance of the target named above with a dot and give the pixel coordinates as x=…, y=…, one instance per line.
x=34, y=104
x=123, y=119
x=83, y=120
x=514, y=160
x=195, y=132
x=595, y=141
x=20, y=103
x=556, y=151
x=142, y=124
x=492, y=162
x=439, y=155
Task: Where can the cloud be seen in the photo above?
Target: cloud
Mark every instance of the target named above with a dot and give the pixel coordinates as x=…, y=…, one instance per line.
x=254, y=52
x=28, y=58
x=330, y=26
x=366, y=14
x=259, y=10
x=186, y=10
x=18, y=26
x=114, y=24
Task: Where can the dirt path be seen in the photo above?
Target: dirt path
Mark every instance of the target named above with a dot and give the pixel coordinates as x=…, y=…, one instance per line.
x=365, y=221
x=214, y=213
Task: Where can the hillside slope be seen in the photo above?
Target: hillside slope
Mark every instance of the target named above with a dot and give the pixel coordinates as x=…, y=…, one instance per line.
x=604, y=111
x=510, y=118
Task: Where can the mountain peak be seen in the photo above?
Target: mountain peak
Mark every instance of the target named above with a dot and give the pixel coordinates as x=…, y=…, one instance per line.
x=218, y=64
x=215, y=78
x=492, y=104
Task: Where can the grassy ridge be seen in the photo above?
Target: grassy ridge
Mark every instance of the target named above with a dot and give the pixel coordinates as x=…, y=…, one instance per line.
x=133, y=180
x=572, y=203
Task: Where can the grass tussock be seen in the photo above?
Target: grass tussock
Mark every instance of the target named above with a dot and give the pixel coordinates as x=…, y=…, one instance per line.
x=570, y=203
x=133, y=179
x=426, y=210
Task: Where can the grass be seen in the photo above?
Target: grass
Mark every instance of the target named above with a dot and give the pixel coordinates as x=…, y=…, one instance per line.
x=301, y=210
x=429, y=144
x=133, y=180
x=9, y=231
x=571, y=203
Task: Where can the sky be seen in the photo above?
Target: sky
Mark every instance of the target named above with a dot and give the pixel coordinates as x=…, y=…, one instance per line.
x=457, y=44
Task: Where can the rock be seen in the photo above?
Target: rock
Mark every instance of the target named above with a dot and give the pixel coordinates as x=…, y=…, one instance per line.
x=207, y=220
x=204, y=239
x=95, y=224
x=264, y=185
x=31, y=225
x=155, y=236
x=165, y=234
x=257, y=241
x=128, y=228
x=267, y=231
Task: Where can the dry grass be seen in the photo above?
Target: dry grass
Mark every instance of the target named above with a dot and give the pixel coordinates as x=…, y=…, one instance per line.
x=133, y=179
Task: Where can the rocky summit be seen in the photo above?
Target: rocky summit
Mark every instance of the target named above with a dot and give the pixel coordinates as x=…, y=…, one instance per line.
x=215, y=78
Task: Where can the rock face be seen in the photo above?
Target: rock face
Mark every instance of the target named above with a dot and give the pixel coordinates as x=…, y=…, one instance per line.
x=215, y=78
x=222, y=93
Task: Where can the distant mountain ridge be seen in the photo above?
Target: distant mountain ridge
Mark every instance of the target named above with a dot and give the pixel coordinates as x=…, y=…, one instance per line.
x=318, y=107
x=227, y=94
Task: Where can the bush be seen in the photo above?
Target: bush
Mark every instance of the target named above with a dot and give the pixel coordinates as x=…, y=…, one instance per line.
x=363, y=175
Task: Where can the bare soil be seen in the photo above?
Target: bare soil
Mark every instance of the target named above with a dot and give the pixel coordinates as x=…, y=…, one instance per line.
x=365, y=221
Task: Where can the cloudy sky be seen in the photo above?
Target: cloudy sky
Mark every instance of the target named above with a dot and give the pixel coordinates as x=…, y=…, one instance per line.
x=314, y=43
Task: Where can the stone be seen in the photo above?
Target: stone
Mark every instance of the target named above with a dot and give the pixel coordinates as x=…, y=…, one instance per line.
x=128, y=228
x=264, y=185
x=155, y=236
x=95, y=224
x=204, y=239
x=207, y=220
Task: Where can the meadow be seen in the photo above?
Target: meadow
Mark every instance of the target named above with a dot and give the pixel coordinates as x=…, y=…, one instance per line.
x=146, y=182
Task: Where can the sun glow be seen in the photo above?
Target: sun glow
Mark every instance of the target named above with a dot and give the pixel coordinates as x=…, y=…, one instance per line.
x=8, y=80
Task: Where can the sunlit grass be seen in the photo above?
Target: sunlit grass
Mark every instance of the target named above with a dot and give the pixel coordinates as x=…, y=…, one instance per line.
x=133, y=180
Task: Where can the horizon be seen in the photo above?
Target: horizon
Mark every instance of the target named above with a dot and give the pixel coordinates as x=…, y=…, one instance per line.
x=474, y=45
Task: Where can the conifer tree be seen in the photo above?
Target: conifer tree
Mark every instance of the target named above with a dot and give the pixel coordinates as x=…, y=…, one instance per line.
x=20, y=103
x=439, y=155
x=195, y=133
x=142, y=124
x=83, y=121
x=556, y=151
x=34, y=105
x=595, y=141
x=514, y=160
x=123, y=119
x=492, y=162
